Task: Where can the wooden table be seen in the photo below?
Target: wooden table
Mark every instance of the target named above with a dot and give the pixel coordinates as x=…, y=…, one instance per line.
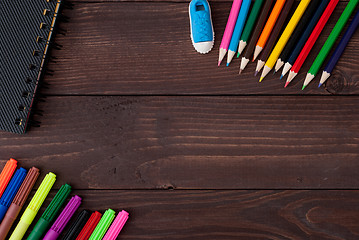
x=135, y=119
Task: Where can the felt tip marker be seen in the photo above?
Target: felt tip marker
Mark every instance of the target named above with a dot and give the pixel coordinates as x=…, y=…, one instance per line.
x=89, y=226
x=116, y=226
x=50, y=213
x=18, y=201
x=33, y=207
x=63, y=219
x=11, y=191
x=103, y=225
x=6, y=174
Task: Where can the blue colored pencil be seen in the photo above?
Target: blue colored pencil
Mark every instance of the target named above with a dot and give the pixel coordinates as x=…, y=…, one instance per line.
x=241, y=20
x=293, y=56
x=11, y=191
x=340, y=49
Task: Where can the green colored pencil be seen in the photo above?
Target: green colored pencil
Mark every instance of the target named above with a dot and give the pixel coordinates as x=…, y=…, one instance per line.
x=249, y=25
x=319, y=60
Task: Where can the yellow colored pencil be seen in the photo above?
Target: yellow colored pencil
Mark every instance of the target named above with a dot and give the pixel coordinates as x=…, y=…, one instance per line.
x=284, y=37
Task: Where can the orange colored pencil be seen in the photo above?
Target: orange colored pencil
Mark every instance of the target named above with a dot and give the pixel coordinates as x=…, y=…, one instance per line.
x=6, y=174
x=268, y=27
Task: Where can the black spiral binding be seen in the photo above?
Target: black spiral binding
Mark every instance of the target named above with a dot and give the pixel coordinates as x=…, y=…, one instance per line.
x=27, y=29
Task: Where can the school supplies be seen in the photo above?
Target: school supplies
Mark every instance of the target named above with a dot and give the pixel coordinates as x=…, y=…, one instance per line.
x=284, y=38
x=268, y=27
x=311, y=40
x=18, y=202
x=27, y=30
x=307, y=16
x=201, y=27
x=34, y=206
x=340, y=49
x=89, y=226
x=241, y=19
x=229, y=29
x=330, y=42
x=103, y=225
x=6, y=174
x=63, y=219
x=50, y=213
x=116, y=226
x=257, y=30
x=294, y=54
x=11, y=191
x=274, y=36
x=249, y=25
x=77, y=226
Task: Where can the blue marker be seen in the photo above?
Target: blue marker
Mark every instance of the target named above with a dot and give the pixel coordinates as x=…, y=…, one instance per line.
x=11, y=191
x=241, y=20
x=293, y=56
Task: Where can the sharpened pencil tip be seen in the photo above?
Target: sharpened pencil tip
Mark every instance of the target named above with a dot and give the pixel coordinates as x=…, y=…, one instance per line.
x=227, y=64
x=303, y=87
x=219, y=63
x=260, y=80
x=286, y=84
x=238, y=54
x=255, y=73
x=319, y=85
x=240, y=71
x=274, y=72
x=281, y=76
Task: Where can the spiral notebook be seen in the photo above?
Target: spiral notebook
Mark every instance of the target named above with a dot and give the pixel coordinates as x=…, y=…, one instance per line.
x=27, y=28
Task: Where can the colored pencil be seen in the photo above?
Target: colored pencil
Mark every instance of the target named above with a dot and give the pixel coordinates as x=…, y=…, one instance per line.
x=298, y=31
x=284, y=38
x=268, y=27
x=340, y=49
x=311, y=41
x=318, y=62
x=303, y=38
x=229, y=29
x=249, y=25
x=257, y=31
x=6, y=174
x=274, y=36
x=241, y=20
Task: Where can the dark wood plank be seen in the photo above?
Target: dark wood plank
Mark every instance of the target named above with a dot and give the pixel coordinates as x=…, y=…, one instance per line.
x=136, y=48
x=227, y=215
x=194, y=142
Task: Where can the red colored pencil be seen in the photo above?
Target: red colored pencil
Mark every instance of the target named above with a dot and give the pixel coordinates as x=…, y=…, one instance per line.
x=311, y=40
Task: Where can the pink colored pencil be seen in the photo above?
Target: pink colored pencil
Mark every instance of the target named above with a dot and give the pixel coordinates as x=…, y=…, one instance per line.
x=233, y=15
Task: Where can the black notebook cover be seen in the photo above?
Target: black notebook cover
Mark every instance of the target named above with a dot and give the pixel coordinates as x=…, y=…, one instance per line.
x=26, y=32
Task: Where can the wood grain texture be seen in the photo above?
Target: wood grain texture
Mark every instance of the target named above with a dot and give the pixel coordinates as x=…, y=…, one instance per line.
x=194, y=142
x=135, y=48
x=227, y=215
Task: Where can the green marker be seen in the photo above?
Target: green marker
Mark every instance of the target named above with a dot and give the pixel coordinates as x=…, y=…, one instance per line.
x=50, y=213
x=249, y=25
x=319, y=60
x=103, y=225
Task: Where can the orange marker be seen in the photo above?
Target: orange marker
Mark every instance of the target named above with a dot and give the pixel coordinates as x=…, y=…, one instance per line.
x=6, y=174
x=268, y=27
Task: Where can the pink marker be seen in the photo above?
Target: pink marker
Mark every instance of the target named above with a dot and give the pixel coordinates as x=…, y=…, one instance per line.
x=116, y=226
x=233, y=15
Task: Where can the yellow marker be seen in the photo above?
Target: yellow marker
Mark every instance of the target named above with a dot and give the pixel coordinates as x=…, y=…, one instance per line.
x=284, y=37
x=34, y=206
